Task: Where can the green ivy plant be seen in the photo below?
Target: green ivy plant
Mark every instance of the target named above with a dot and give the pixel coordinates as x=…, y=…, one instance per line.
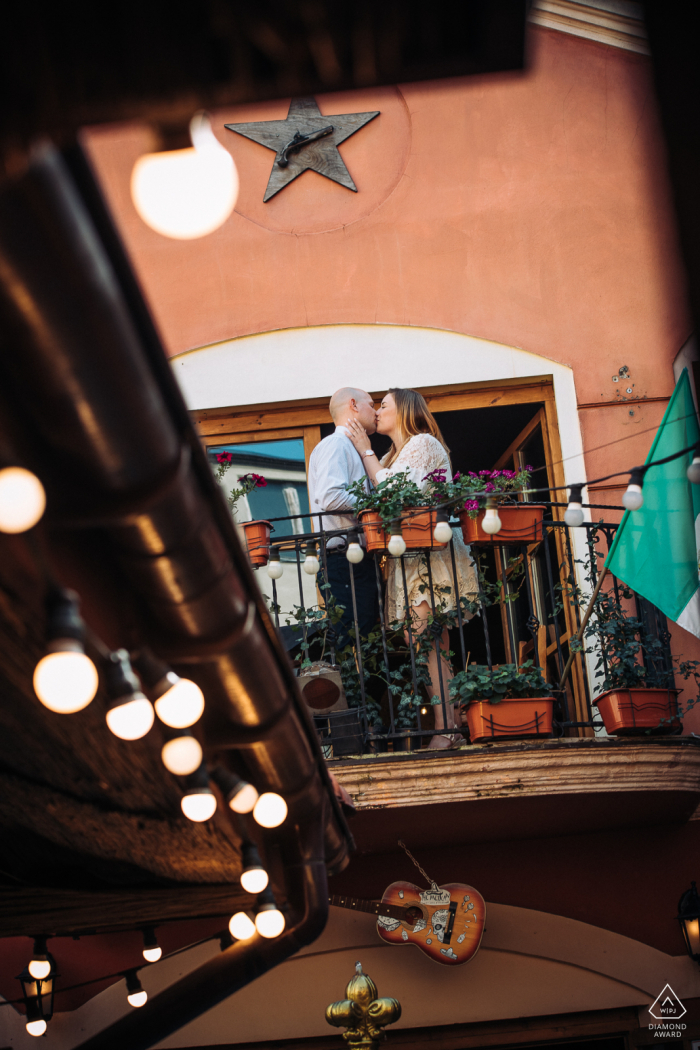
x=506, y=682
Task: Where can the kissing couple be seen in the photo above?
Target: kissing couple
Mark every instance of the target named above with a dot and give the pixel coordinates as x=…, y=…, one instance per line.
x=417, y=449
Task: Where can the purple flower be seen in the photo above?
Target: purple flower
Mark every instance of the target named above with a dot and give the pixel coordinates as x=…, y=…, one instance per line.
x=437, y=476
x=457, y=476
x=472, y=474
x=490, y=486
x=471, y=504
x=528, y=467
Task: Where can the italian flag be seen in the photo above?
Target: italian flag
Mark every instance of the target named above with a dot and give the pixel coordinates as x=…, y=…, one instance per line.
x=655, y=551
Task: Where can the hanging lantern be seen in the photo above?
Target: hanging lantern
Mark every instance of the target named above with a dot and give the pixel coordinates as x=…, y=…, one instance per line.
x=689, y=919
x=38, y=998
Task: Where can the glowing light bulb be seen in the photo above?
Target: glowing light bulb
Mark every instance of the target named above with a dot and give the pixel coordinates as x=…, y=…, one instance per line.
x=186, y=193
x=152, y=951
x=573, y=515
x=22, y=499
x=241, y=926
x=182, y=755
x=269, y=923
x=132, y=720
x=491, y=523
x=254, y=880
x=244, y=800
x=275, y=569
x=40, y=967
x=199, y=805
x=632, y=498
x=36, y=1027
x=693, y=470
x=152, y=954
x=270, y=810
x=65, y=680
x=442, y=532
x=354, y=553
x=397, y=544
x=137, y=998
x=182, y=704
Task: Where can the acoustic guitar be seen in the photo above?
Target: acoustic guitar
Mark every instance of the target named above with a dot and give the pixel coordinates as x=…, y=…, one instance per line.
x=445, y=922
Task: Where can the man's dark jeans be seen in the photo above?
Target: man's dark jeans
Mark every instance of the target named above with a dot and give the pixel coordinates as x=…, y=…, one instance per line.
x=365, y=577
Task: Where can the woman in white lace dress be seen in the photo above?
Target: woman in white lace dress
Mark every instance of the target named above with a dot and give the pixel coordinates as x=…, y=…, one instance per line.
x=418, y=449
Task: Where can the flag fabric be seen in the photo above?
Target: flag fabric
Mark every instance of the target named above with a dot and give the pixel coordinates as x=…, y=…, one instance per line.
x=655, y=551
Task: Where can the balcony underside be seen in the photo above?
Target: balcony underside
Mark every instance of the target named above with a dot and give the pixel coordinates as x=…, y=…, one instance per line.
x=521, y=790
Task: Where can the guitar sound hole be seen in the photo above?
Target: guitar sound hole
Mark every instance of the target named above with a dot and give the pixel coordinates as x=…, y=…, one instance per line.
x=413, y=915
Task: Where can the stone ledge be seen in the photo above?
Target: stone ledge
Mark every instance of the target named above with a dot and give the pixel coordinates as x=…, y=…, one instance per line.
x=544, y=768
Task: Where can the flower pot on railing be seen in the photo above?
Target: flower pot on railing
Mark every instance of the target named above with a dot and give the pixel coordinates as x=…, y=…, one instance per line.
x=518, y=717
x=376, y=537
x=257, y=537
x=521, y=523
x=417, y=526
x=631, y=712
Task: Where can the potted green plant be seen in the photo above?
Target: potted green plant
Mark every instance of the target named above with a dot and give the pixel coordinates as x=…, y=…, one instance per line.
x=482, y=495
x=504, y=701
x=257, y=533
x=638, y=693
x=396, y=505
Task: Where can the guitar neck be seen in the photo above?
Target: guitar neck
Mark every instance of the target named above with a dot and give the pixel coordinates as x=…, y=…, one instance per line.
x=371, y=907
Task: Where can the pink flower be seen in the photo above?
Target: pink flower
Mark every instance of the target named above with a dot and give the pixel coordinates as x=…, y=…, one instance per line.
x=471, y=504
x=457, y=476
x=257, y=480
x=224, y=457
x=528, y=467
x=490, y=486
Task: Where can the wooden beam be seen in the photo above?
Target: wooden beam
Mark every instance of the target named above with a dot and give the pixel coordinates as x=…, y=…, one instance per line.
x=26, y=911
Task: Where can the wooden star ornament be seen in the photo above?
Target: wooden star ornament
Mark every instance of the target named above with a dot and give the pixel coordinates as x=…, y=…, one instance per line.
x=306, y=141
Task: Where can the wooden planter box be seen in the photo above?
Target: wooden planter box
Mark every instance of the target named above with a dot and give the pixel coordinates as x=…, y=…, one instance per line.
x=257, y=537
x=630, y=712
x=522, y=523
x=522, y=716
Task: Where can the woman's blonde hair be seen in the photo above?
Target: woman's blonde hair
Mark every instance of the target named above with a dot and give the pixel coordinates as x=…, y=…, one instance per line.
x=413, y=417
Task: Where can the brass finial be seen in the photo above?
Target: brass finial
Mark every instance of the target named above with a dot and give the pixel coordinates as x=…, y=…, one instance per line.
x=362, y=1012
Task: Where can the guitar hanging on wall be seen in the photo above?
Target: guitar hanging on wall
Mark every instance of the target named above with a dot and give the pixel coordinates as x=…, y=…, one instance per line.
x=446, y=922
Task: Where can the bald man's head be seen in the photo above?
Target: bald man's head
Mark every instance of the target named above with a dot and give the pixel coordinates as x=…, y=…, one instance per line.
x=352, y=403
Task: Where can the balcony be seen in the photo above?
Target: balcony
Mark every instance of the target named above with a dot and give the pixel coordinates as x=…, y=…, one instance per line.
x=532, y=598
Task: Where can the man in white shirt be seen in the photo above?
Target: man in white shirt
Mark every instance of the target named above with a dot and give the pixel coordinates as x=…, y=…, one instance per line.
x=333, y=465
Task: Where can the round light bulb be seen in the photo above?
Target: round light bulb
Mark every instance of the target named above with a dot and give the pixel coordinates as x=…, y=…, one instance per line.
x=199, y=806
x=442, y=532
x=270, y=810
x=186, y=193
x=254, y=880
x=22, y=499
x=573, y=515
x=182, y=755
x=269, y=923
x=137, y=999
x=275, y=569
x=693, y=471
x=152, y=954
x=182, y=705
x=65, y=680
x=311, y=564
x=241, y=926
x=354, y=553
x=491, y=523
x=397, y=545
x=132, y=720
x=36, y=1027
x=244, y=800
x=39, y=968
x=633, y=499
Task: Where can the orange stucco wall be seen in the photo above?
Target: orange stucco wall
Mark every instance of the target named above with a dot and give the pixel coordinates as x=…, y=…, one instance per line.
x=531, y=210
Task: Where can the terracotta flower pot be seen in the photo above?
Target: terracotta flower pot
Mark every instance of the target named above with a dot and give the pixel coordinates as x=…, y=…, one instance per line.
x=629, y=712
x=417, y=525
x=257, y=537
x=522, y=523
x=521, y=716
x=375, y=535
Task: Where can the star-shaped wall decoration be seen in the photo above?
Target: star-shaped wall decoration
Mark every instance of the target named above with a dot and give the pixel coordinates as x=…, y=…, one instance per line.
x=305, y=141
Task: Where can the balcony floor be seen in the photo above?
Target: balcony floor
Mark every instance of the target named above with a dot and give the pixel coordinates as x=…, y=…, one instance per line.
x=521, y=789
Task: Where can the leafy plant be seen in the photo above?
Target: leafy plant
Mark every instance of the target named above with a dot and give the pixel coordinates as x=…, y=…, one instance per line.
x=247, y=482
x=463, y=488
x=390, y=497
x=506, y=682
